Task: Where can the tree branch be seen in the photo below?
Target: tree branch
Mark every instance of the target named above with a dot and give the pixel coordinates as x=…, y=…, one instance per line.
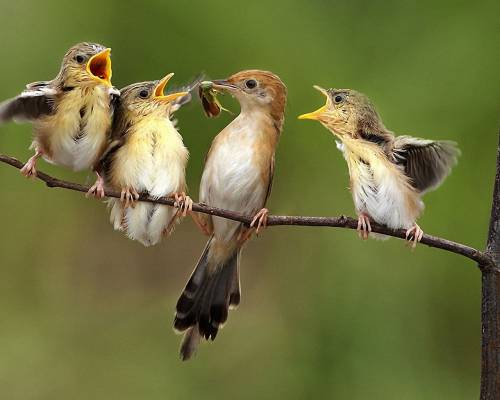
x=490, y=302
x=484, y=260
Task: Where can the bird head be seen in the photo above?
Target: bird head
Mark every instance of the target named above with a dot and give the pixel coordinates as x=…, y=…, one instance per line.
x=148, y=97
x=347, y=113
x=256, y=90
x=87, y=64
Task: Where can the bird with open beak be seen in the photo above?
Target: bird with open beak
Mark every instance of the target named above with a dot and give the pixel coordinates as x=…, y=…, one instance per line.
x=146, y=155
x=237, y=176
x=71, y=114
x=388, y=174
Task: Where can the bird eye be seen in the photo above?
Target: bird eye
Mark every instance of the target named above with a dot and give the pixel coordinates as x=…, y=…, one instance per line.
x=79, y=59
x=338, y=98
x=143, y=93
x=251, y=83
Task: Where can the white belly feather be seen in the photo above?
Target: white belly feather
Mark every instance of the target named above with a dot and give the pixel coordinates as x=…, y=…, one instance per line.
x=76, y=140
x=380, y=189
x=231, y=179
x=153, y=160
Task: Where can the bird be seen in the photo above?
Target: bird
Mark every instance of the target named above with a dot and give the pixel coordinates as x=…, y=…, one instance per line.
x=237, y=175
x=146, y=155
x=388, y=173
x=72, y=113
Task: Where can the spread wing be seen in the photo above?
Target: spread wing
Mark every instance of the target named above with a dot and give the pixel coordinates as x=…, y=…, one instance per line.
x=426, y=162
x=34, y=102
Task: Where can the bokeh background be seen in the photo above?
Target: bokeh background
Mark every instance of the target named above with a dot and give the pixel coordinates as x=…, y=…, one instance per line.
x=87, y=313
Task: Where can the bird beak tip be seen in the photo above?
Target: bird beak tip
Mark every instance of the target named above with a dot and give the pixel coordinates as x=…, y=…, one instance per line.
x=160, y=88
x=99, y=67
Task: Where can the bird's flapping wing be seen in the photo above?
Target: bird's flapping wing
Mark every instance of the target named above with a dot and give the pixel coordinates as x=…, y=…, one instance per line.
x=34, y=102
x=190, y=87
x=425, y=162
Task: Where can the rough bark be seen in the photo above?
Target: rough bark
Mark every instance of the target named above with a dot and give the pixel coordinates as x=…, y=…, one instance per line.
x=490, y=302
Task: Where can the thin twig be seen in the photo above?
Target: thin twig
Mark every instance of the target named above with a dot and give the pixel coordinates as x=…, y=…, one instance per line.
x=484, y=261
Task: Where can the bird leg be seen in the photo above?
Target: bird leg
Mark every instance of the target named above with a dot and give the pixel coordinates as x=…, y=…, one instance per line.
x=244, y=235
x=183, y=203
x=171, y=225
x=261, y=219
x=414, y=235
x=202, y=226
x=29, y=169
x=97, y=189
x=129, y=196
x=364, y=227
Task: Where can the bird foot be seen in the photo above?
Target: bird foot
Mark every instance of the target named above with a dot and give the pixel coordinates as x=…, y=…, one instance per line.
x=97, y=189
x=364, y=227
x=202, y=226
x=129, y=196
x=29, y=169
x=414, y=235
x=183, y=203
x=261, y=219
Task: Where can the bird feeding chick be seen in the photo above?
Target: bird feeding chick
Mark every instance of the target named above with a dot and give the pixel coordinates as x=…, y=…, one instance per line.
x=146, y=155
x=209, y=101
x=72, y=113
x=388, y=174
x=237, y=176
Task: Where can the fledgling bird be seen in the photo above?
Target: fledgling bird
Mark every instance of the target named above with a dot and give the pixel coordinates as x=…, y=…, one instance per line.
x=238, y=174
x=72, y=113
x=388, y=174
x=146, y=155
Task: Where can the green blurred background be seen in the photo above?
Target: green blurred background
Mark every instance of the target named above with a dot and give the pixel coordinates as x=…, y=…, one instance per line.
x=86, y=313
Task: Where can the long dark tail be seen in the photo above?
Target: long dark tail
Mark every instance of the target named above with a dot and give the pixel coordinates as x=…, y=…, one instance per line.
x=205, y=302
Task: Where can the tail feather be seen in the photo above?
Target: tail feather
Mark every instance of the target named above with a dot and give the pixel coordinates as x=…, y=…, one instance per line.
x=203, y=306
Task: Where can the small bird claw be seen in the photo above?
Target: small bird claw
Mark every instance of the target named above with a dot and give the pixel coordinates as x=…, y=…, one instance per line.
x=29, y=169
x=414, y=235
x=364, y=227
x=97, y=189
x=183, y=202
x=261, y=219
x=129, y=196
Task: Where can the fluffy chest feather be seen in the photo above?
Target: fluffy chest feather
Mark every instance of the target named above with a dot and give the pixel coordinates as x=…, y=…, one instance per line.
x=153, y=158
x=379, y=187
x=75, y=135
x=238, y=167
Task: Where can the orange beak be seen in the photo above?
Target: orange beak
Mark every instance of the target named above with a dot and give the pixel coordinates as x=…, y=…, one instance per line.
x=99, y=67
x=159, y=89
x=316, y=115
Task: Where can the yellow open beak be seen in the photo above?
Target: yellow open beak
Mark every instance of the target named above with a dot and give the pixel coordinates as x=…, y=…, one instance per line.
x=99, y=67
x=161, y=87
x=316, y=115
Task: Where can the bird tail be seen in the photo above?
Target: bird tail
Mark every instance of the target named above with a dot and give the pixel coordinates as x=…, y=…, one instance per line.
x=214, y=288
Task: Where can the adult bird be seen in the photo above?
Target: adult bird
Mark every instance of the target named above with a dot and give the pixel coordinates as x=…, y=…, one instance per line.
x=72, y=113
x=237, y=176
x=388, y=173
x=146, y=155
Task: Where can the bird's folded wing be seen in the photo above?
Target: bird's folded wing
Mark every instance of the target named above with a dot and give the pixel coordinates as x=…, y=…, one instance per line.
x=425, y=162
x=34, y=102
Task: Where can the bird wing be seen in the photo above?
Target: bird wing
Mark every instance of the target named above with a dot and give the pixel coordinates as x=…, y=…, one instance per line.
x=270, y=180
x=34, y=102
x=425, y=162
x=190, y=87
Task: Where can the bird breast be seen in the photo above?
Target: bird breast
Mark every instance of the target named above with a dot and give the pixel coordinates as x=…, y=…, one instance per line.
x=380, y=188
x=75, y=135
x=153, y=159
x=237, y=170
